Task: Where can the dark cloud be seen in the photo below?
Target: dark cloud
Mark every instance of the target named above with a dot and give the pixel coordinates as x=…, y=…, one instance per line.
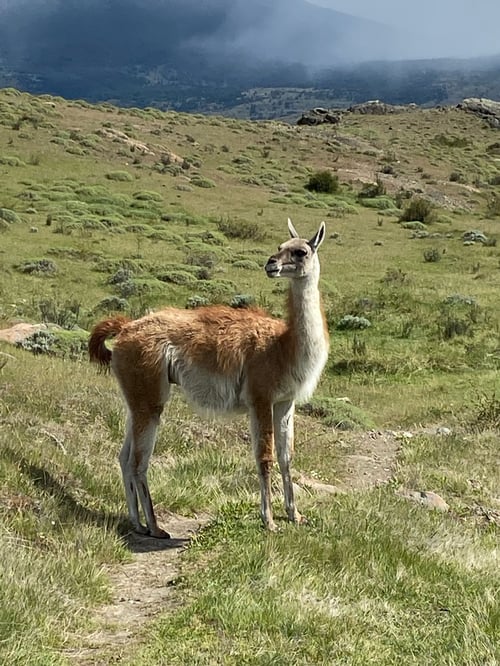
x=433, y=28
x=114, y=31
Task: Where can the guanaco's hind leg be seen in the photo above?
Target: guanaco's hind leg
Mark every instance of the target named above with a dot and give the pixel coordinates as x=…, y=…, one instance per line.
x=134, y=460
x=145, y=397
x=283, y=414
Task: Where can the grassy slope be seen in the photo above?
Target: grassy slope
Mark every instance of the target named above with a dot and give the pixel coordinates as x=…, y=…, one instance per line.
x=373, y=579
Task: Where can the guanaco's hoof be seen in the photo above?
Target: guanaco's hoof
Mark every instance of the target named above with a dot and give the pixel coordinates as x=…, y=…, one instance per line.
x=158, y=533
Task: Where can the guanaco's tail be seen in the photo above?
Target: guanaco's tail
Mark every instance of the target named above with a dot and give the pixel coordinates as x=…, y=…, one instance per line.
x=108, y=328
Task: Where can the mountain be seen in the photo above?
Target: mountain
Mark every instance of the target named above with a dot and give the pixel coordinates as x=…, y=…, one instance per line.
x=251, y=58
x=99, y=48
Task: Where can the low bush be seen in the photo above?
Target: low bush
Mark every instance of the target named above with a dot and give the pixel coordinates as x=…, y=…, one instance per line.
x=353, y=323
x=123, y=176
x=178, y=276
x=196, y=301
x=112, y=304
x=419, y=209
x=147, y=195
x=199, y=181
x=432, y=255
x=242, y=301
x=37, y=267
x=323, y=181
x=246, y=264
x=241, y=229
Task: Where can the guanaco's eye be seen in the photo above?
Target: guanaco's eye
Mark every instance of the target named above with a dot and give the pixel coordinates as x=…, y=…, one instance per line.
x=300, y=253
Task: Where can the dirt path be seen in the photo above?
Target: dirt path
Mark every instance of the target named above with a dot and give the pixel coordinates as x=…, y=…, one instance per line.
x=144, y=587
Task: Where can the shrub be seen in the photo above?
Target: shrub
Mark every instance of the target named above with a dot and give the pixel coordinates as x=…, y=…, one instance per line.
x=353, y=323
x=414, y=225
x=457, y=316
x=11, y=161
x=178, y=276
x=450, y=326
x=37, y=267
x=124, y=176
x=196, y=302
x=379, y=203
x=39, y=342
x=139, y=228
x=395, y=276
x=241, y=229
x=486, y=412
x=493, y=148
x=336, y=413
x=217, y=288
x=242, y=301
x=323, y=181
x=71, y=344
x=201, y=257
x=451, y=141
x=9, y=215
x=199, y=181
x=147, y=195
x=247, y=264
x=432, y=255
x=112, y=304
x=121, y=275
x=418, y=209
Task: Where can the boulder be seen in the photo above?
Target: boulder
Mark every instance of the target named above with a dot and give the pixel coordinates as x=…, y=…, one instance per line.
x=487, y=109
x=319, y=115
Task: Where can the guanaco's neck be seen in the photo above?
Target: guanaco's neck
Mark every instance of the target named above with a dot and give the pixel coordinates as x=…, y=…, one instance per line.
x=306, y=319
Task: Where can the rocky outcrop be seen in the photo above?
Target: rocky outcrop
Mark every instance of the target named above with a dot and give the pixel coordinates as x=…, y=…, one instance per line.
x=319, y=115
x=377, y=108
x=487, y=109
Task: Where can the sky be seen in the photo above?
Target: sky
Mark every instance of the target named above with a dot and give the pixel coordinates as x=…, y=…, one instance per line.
x=440, y=28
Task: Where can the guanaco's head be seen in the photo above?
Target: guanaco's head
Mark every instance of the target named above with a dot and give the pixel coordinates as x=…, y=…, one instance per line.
x=297, y=257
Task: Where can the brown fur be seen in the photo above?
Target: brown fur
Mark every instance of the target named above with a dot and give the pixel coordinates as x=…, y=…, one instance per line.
x=108, y=328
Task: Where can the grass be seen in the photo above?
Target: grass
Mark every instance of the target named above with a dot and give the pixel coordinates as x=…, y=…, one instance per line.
x=373, y=578
x=357, y=587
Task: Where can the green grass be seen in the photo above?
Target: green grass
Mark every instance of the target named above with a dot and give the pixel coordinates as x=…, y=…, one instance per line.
x=373, y=578
x=371, y=581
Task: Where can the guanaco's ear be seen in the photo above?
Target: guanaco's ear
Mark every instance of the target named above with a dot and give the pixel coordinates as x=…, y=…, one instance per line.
x=292, y=230
x=318, y=237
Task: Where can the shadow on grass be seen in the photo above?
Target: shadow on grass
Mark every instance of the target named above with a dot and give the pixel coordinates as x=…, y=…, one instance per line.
x=71, y=509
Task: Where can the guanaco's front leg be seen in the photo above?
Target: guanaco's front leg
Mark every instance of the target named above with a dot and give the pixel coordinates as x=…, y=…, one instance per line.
x=261, y=426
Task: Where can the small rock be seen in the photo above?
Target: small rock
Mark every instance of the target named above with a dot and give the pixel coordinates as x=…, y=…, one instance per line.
x=20, y=332
x=443, y=431
x=474, y=236
x=306, y=483
x=378, y=242
x=426, y=497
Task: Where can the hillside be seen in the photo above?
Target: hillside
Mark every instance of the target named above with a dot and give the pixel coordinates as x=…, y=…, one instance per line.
x=105, y=209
